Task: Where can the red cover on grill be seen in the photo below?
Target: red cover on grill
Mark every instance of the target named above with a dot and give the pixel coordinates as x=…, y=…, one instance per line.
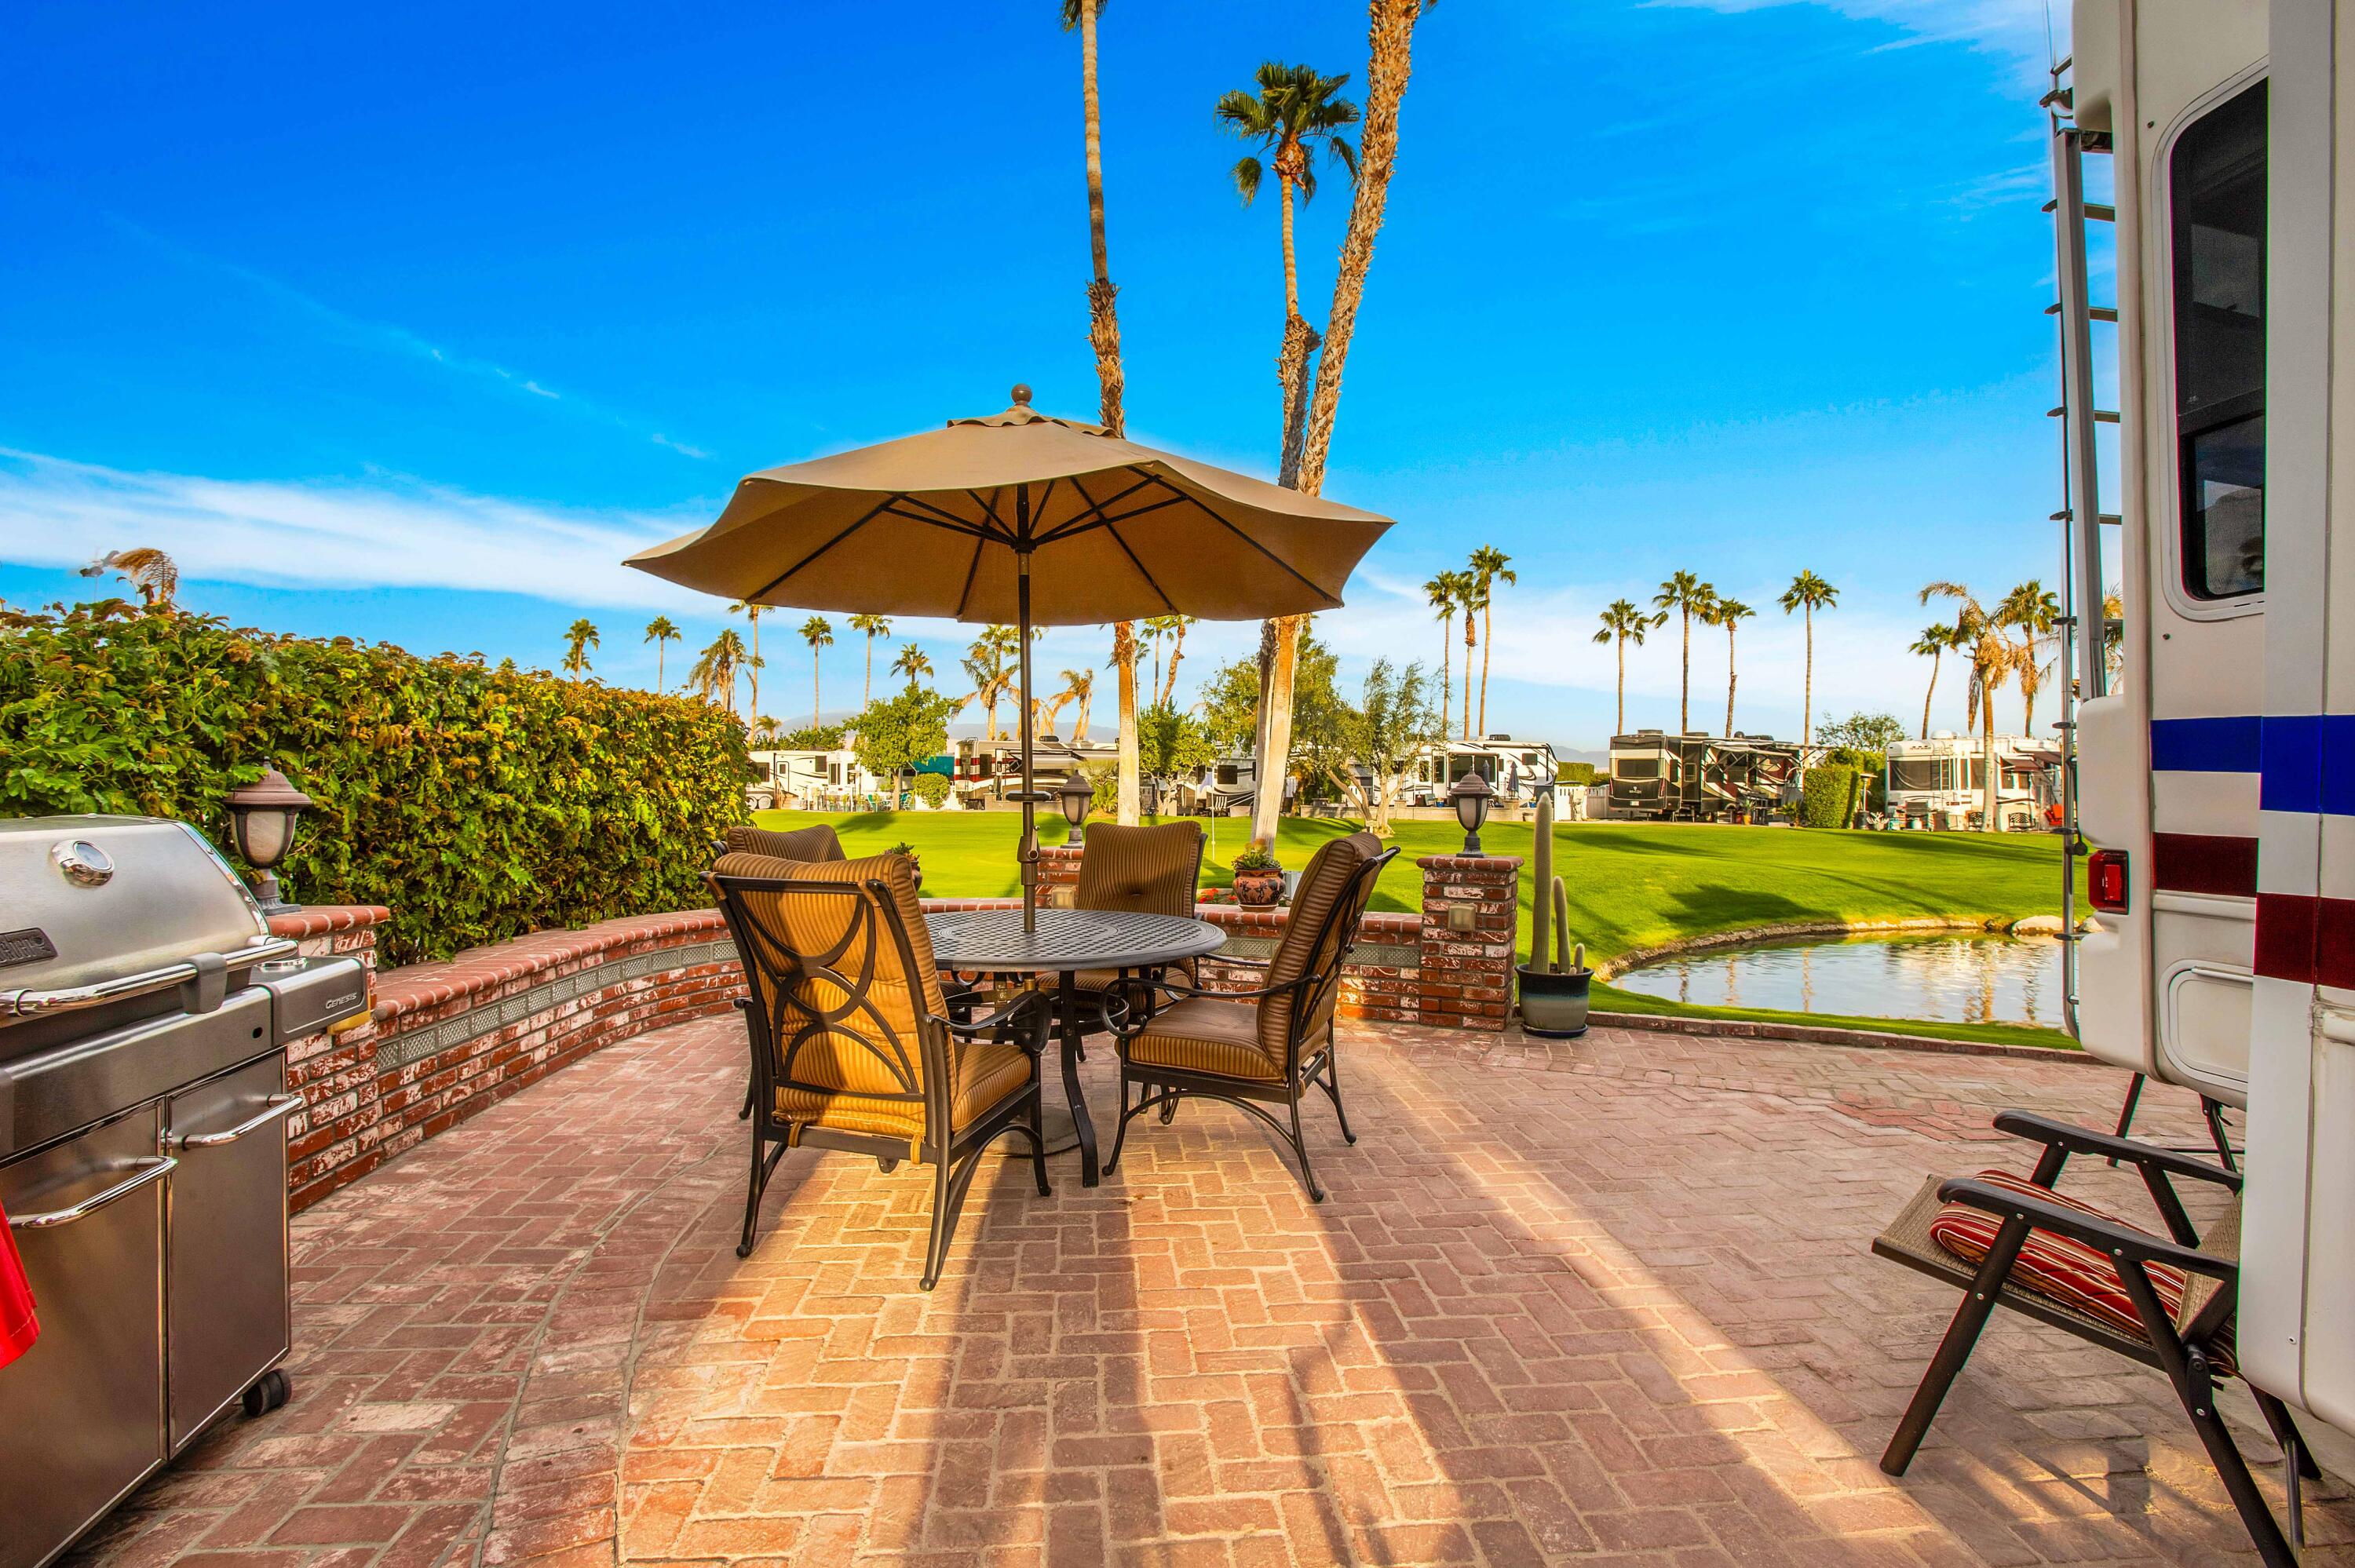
x=19, y=1327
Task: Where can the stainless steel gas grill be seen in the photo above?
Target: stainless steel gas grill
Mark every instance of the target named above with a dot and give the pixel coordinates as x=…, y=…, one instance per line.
x=144, y=1013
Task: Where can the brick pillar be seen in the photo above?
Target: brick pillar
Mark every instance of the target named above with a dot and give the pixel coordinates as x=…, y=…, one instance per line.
x=1467, y=976
x=334, y=1073
x=1059, y=867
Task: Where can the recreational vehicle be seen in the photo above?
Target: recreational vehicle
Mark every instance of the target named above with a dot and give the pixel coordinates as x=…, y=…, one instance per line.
x=1517, y=770
x=1941, y=782
x=2214, y=770
x=1698, y=778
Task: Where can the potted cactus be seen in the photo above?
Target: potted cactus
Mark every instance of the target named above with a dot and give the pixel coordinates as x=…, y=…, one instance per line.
x=1258, y=879
x=1553, y=990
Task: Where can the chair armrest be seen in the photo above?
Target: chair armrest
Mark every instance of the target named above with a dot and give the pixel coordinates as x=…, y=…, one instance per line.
x=1028, y=1001
x=2121, y=1241
x=1123, y=990
x=2075, y=1139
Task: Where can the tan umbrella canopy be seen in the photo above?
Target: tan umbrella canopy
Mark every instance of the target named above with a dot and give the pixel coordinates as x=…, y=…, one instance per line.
x=1026, y=520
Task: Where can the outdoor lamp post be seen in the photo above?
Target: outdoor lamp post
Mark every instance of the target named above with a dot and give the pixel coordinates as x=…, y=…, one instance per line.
x=1471, y=796
x=262, y=827
x=1075, y=795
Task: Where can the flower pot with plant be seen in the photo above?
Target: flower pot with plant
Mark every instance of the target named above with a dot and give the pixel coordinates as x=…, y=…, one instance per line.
x=915, y=863
x=1553, y=991
x=1259, y=878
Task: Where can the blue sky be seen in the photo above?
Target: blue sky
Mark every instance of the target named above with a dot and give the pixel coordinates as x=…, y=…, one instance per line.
x=409, y=323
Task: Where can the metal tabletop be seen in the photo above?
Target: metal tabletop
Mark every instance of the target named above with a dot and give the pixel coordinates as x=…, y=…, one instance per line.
x=1067, y=940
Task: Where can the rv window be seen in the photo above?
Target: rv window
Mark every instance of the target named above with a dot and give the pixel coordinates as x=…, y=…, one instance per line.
x=2217, y=230
x=1921, y=773
x=1227, y=774
x=1635, y=767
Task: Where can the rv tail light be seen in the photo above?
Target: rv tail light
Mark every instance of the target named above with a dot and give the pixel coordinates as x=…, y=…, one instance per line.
x=2105, y=880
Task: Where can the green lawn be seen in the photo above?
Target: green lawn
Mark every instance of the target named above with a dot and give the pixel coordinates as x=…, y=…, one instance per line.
x=1629, y=884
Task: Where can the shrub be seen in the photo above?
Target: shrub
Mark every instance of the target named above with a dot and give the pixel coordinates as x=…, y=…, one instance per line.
x=1824, y=797
x=1577, y=774
x=479, y=803
x=931, y=789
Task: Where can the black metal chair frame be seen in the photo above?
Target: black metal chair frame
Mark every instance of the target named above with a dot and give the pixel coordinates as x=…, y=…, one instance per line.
x=955, y=1156
x=1130, y=1009
x=2183, y=1357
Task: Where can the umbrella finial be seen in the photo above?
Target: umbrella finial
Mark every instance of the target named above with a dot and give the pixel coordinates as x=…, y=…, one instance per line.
x=1021, y=395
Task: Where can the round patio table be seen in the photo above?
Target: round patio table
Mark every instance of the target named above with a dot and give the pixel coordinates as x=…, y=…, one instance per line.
x=1065, y=942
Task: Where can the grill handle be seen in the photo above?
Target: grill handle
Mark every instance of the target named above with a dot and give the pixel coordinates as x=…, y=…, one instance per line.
x=148, y=1171
x=26, y=1003
x=274, y=1107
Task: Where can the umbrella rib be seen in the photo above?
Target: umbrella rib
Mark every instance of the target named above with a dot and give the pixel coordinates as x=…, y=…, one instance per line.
x=939, y=515
x=1071, y=530
x=943, y=521
x=1292, y=571
x=1095, y=510
x=1147, y=575
x=971, y=568
x=774, y=583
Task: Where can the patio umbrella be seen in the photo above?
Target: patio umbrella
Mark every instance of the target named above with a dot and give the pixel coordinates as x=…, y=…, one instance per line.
x=1025, y=519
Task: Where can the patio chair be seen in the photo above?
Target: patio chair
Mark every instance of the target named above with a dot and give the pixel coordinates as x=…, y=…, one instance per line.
x=2165, y=1301
x=854, y=1046
x=815, y=843
x=1263, y=1047
x=1154, y=869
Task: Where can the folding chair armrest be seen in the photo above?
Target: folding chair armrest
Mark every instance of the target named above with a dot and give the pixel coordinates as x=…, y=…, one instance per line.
x=2075, y=1139
x=2121, y=1241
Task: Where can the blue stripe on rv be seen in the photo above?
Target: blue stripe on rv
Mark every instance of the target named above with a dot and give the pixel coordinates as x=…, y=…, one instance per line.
x=2207, y=744
x=2306, y=762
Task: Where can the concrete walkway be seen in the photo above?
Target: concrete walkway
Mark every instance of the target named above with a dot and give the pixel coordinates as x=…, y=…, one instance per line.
x=1603, y=1301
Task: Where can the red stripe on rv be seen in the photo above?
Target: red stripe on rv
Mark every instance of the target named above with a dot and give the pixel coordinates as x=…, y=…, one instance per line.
x=2203, y=863
x=2308, y=940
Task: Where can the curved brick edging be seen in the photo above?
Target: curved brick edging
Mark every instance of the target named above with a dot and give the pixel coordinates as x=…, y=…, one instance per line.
x=1817, y=1034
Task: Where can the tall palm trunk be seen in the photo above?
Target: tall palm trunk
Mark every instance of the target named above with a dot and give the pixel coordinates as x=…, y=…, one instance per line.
x=1446, y=672
x=752, y=670
x=1471, y=641
x=1808, y=689
x=1621, y=721
x=659, y=649
x=1177, y=652
x=1488, y=650
x=1729, y=680
x=1391, y=40
x=1684, y=688
x=867, y=687
x=1931, y=693
x=817, y=702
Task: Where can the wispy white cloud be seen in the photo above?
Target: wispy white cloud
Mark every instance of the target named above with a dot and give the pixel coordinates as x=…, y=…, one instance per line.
x=2017, y=28
x=661, y=440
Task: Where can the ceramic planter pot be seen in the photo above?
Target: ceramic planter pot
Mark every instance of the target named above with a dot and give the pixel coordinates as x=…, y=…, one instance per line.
x=1554, y=1001
x=1259, y=889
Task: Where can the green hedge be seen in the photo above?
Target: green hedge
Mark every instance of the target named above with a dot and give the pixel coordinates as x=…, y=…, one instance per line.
x=1824, y=797
x=479, y=803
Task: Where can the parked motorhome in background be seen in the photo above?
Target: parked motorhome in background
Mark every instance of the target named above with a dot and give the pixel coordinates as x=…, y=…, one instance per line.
x=2215, y=776
x=1517, y=770
x=1941, y=782
x=1700, y=778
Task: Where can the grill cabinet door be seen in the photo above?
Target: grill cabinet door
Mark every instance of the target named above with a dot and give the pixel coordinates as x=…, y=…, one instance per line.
x=228, y=1304
x=81, y=1419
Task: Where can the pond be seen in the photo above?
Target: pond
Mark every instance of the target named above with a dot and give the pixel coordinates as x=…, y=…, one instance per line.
x=1947, y=977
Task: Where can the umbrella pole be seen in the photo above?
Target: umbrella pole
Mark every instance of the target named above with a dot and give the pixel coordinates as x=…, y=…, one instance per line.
x=1030, y=850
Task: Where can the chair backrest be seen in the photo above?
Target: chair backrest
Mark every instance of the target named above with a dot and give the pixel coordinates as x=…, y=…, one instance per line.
x=815, y=842
x=844, y=998
x=1154, y=869
x=1327, y=904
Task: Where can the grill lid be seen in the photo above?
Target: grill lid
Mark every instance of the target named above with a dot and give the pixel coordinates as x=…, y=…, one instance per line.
x=87, y=900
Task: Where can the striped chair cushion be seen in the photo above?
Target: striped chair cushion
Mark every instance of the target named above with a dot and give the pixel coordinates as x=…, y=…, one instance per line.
x=815, y=842
x=2066, y=1270
x=1314, y=927
x=1203, y=1034
x=1149, y=869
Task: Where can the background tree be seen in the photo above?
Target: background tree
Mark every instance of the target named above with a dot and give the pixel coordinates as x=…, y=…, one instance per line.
x=904, y=731
x=1392, y=721
x=2035, y=614
x=1729, y=613
x=818, y=632
x=661, y=633
x=1488, y=565
x=153, y=574
x=1932, y=645
x=1172, y=745
x=1993, y=656
x=1808, y=594
x=1080, y=686
x=869, y=627
x=2114, y=634
x=1176, y=627
x=1688, y=596
x=1445, y=593
x=1390, y=34
x=1475, y=602
x=913, y=663
x=579, y=638
x=752, y=663
x=989, y=662
x=1624, y=622
x=714, y=676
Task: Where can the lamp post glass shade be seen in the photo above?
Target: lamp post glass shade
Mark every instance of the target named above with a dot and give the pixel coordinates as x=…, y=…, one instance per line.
x=1075, y=796
x=1023, y=520
x=1471, y=796
x=261, y=828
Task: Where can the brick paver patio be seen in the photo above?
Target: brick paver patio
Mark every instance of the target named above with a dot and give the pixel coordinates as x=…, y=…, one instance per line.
x=1603, y=1301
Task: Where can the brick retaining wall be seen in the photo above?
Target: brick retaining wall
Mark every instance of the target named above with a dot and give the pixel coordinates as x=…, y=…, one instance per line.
x=442, y=1040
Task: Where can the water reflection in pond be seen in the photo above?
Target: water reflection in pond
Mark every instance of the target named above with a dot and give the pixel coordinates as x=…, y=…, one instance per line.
x=1950, y=977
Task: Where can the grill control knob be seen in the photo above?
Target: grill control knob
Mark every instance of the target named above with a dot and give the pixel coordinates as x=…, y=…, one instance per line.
x=81, y=862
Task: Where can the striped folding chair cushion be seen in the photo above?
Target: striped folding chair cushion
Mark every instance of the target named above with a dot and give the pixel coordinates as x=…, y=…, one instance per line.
x=2066, y=1270
x=815, y=842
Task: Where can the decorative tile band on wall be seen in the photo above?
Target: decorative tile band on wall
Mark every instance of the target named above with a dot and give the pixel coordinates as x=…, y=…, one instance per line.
x=475, y=1023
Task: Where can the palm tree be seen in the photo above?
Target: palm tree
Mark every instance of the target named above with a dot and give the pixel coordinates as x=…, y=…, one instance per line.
x=912, y=663
x=1080, y=686
x=2035, y=613
x=2114, y=634
x=1489, y=565
x=818, y=632
x=1175, y=627
x=1445, y=593
x=714, y=676
x=986, y=662
x=661, y=633
x=1389, y=37
x=1993, y=657
x=1293, y=113
x=1728, y=613
x=153, y=572
x=754, y=664
x=1476, y=599
x=1932, y=645
x=1688, y=596
x=579, y=638
x=873, y=626
x=1808, y=593
x=1624, y=622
